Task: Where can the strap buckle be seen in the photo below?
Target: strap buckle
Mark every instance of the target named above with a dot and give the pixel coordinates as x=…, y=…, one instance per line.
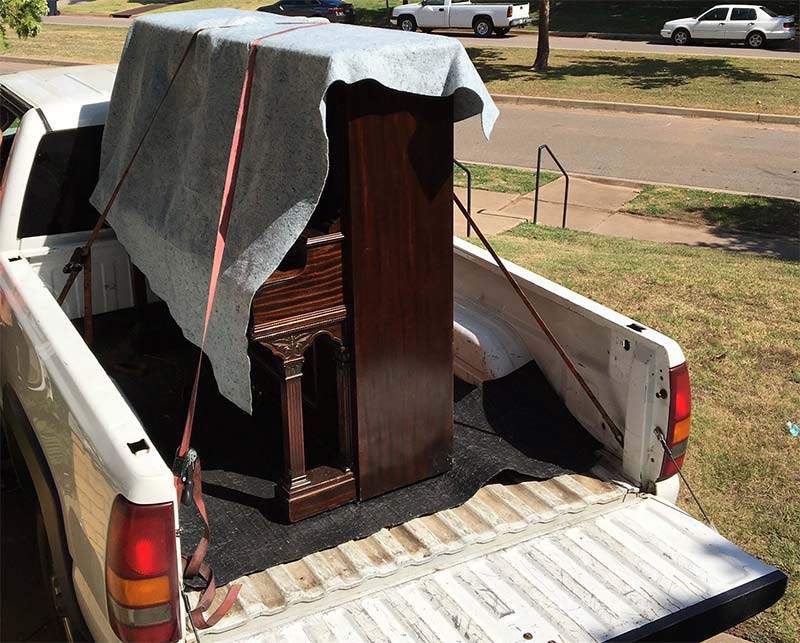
x=183, y=469
x=75, y=263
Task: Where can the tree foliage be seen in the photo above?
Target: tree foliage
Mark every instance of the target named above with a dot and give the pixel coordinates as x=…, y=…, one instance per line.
x=543, y=43
x=24, y=17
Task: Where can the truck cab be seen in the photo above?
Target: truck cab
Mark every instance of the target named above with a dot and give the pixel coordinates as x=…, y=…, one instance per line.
x=483, y=19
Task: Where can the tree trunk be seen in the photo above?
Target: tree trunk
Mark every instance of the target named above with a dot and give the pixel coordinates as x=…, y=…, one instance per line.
x=543, y=46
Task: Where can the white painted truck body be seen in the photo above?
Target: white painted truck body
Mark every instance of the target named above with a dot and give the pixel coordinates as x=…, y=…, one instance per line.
x=587, y=557
x=445, y=14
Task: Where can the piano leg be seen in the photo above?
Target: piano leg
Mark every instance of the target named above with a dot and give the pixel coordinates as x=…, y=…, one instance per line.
x=294, y=472
x=344, y=393
x=303, y=492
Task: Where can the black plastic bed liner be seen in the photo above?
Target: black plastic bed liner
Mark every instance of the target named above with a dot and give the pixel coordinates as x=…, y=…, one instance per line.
x=514, y=424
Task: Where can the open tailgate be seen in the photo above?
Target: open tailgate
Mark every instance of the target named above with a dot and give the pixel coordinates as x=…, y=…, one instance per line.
x=634, y=569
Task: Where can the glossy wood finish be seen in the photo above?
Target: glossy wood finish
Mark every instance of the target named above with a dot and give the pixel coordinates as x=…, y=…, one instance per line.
x=315, y=286
x=382, y=289
x=393, y=154
x=303, y=299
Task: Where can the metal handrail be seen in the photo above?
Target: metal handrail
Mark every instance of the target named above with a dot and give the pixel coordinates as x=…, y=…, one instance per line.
x=469, y=194
x=566, y=185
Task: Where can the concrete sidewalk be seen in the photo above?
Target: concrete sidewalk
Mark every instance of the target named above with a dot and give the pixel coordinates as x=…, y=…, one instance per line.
x=596, y=207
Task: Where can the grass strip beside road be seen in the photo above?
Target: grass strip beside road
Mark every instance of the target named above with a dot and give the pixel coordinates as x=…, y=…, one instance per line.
x=762, y=215
x=501, y=179
x=70, y=43
x=709, y=82
x=736, y=317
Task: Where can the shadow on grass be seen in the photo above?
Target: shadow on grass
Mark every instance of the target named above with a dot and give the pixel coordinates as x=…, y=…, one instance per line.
x=639, y=72
x=779, y=248
x=782, y=248
x=373, y=16
x=767, y=216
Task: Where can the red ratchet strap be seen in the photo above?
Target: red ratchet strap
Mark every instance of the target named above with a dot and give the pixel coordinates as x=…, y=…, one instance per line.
x=187, y=465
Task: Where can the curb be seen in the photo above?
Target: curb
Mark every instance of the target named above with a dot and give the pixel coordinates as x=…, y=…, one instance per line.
x=635, y=108
x=635, y=183
x=39, y=61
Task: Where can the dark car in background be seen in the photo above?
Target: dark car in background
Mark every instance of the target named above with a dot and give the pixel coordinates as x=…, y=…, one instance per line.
x=333, y=10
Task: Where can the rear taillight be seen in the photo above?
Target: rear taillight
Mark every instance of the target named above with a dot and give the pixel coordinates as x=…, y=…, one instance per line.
x=142, y=573
x=509, y=11
x=680, y=412
x=336, y=10
x=788, y=25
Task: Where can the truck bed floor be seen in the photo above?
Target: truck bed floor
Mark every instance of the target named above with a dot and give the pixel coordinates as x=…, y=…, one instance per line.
x=515, y=425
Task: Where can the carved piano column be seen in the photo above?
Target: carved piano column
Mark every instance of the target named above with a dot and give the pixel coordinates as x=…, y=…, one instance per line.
x=294, y=473
x=307, y=492
x=345, y=395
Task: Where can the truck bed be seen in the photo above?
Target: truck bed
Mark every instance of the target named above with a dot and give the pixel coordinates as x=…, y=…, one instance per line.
x=515, y=427
x=575, y=558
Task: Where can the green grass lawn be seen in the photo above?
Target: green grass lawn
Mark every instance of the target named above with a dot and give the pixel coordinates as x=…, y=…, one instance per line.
x=68, y=43
x=749, y=213
x=501, y=179
x=735, y=84
x=736, y=316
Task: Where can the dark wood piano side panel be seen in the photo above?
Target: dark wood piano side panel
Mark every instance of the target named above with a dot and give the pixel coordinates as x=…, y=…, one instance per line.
x=399, y=228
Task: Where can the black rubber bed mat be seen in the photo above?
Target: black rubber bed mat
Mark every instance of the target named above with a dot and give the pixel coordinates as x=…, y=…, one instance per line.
x=513, y=424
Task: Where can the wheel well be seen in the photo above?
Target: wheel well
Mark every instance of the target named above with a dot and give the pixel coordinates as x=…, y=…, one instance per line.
x=27, y=453
x=758, y=31
x=681, y=29
x=476, y=18
x=406, y=15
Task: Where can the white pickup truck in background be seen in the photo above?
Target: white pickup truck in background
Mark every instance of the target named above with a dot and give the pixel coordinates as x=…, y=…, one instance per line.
x=605, y=555
x=483, y=19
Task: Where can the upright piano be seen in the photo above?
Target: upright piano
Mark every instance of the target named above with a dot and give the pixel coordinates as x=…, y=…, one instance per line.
x=357, y=322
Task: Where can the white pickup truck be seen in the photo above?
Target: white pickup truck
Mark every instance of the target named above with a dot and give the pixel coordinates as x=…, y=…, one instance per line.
x=483, y=19
x=603, y=555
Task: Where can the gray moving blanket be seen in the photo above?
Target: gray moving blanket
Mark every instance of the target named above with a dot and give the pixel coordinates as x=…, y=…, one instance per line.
x=167, y=210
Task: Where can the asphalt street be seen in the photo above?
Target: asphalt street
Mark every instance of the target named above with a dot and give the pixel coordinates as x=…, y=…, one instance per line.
x=747, y=157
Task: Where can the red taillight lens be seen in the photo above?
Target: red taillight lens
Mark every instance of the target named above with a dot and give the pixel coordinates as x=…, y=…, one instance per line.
x=788, y=25
x=680, y=411
x=509, y=11
x=336, y=10
x=142, y=573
